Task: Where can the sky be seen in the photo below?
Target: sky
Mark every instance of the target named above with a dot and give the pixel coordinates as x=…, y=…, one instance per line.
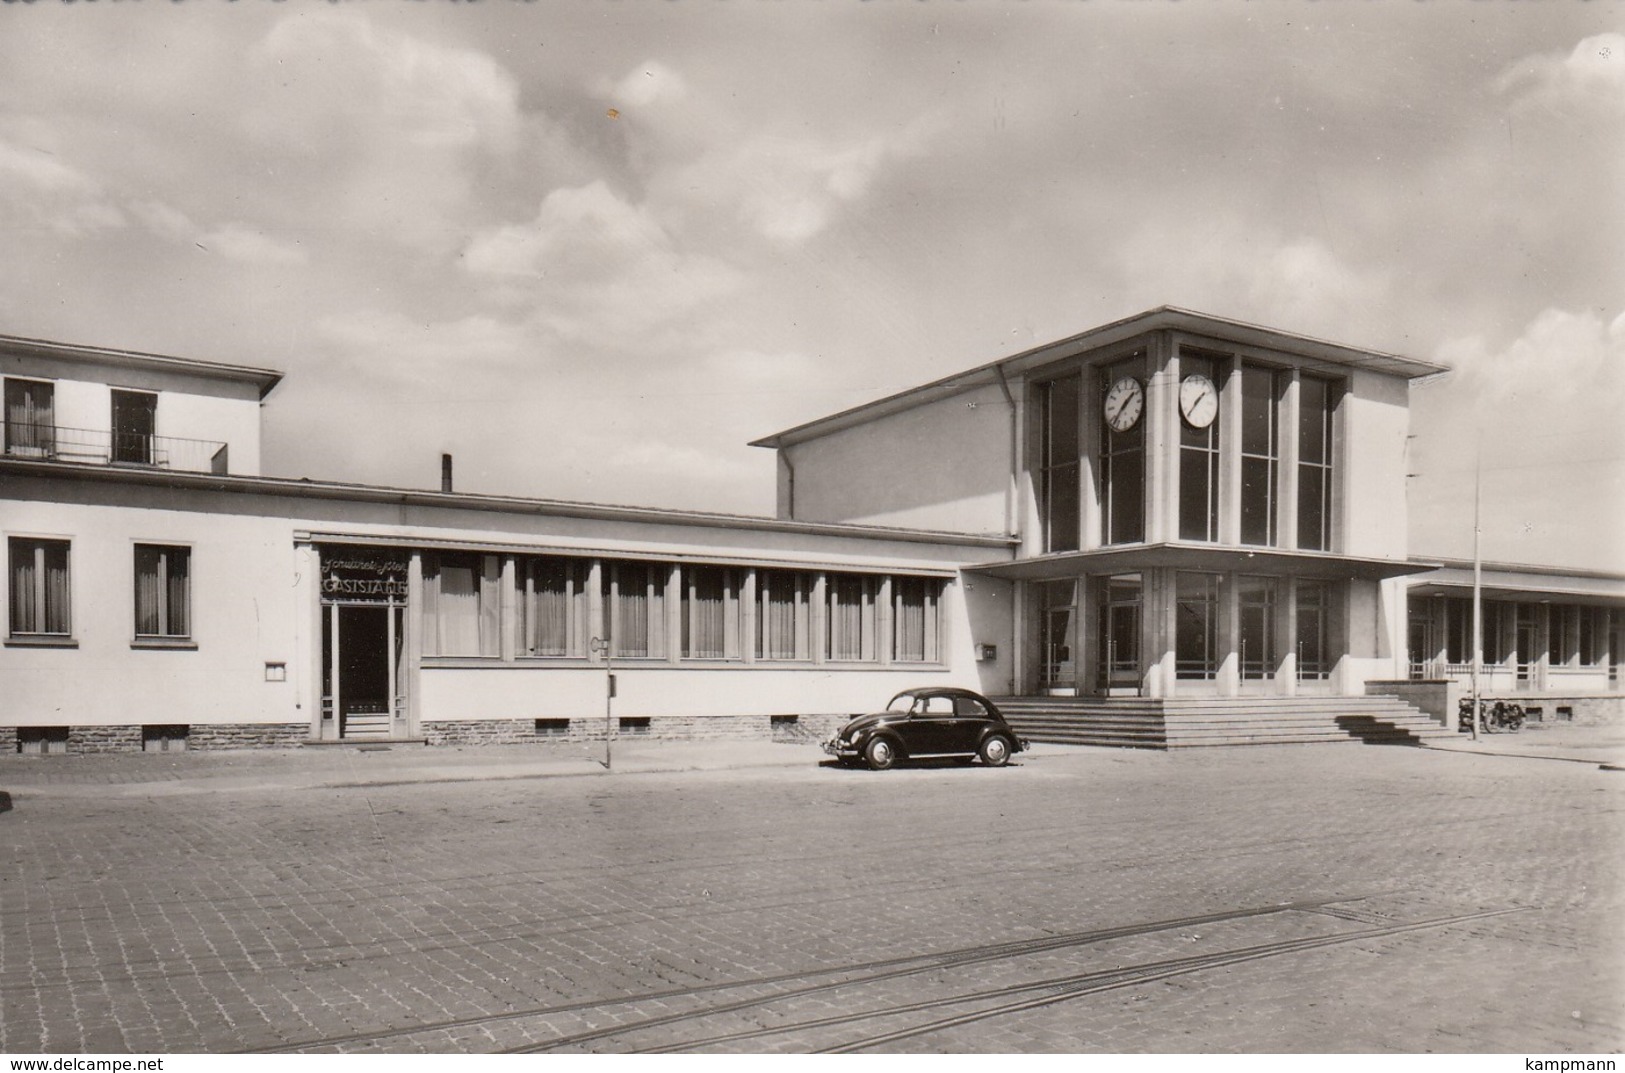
x=593, y=249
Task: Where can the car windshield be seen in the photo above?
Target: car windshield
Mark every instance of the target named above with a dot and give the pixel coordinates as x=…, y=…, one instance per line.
x=903, y=702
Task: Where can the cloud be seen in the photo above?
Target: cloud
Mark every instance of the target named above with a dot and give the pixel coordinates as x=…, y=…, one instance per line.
x=1591, y=76
x=593, y=266
x=39, y=190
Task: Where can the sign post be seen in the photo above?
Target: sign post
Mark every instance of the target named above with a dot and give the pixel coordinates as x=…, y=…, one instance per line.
x=601, y=645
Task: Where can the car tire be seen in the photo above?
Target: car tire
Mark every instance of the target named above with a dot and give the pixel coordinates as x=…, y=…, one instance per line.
x=880, y=754
x=995, y=751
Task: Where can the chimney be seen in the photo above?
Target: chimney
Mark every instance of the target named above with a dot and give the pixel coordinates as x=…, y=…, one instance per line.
x=445, y=473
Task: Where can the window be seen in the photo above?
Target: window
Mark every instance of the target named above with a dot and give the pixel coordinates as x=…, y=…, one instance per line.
x=1199, y=462
x=462, y=605
x=30, y=418
x=1259, y=453
x=1256, y=597
x=710, y=612
x=1593, y=636
x=552, y=606
x=1122, y=463
x=851, y=618
x=1458, y=630
x=635, y=604
x=1317, y=399
x=1498, y=621
x=134, y=421
x=39, y=587
x=1196, y=631
x=782, y=615
x=1060, y=467
x=163, y=591
x=1313, y=614
x=914, y=619
x=1562, y=635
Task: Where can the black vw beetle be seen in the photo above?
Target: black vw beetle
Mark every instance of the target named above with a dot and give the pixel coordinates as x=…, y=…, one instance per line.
x=937, y=721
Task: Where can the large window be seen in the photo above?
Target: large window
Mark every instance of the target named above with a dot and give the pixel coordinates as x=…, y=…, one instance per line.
x=135, y=415
x=635, y=604
x=30, y=418
x=552, y=606
x=915, y=619
x=1593, y=636
x=1198, y=456
x=1256, y=599
x=163, y=591
x=1122, y=461
x=463, y=605
x=1061, y=469
x=1260, y=453
x=783, y=615
x=850, y=619
x=1317, y=399
x=39, y=587
x=1313, y=640
x=710, y=612
x=1196, y=626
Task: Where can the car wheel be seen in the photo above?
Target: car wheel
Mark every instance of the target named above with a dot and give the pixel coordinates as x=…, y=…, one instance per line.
x=995, y=751
x=880, y=754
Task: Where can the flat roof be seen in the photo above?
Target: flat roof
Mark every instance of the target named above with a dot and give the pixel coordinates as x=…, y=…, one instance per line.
x=263, y=379
x=1222, y=329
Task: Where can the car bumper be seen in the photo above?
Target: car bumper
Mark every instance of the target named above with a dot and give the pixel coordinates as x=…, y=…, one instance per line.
x=840, y=750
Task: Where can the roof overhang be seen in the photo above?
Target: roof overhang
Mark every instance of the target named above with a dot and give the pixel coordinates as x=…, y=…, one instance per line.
x=1211, y=330
x=1205, y=557
x=1523, y=583
x=262, y=379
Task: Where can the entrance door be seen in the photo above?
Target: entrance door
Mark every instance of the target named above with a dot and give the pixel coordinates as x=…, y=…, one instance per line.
x=1525, y=655
x=362, y=668
x=1058, y=611
x=1120, y=634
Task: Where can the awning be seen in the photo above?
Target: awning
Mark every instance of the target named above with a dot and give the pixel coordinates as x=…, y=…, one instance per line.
x=1127, y=558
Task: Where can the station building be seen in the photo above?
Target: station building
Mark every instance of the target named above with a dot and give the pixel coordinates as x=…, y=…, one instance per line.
x=1170, y=510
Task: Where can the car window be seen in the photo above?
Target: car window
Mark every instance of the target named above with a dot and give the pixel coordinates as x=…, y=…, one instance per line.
x=937, y=707
x=969, y=708
x=903, y=702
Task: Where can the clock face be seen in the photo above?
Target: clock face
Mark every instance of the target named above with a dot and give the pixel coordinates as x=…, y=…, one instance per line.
x=1198, y=401
x=1123, y=404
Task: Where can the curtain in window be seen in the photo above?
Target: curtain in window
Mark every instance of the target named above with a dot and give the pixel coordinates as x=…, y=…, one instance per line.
x=781, y=624
x=25, y=581
x=639, y=608
x=30, y=416
x=851, y=617
x=149, y=591
x=162, y=596
x=708, y=591
x=180, y=592
x=458, y=619
x=552, y=595
x=915, y=618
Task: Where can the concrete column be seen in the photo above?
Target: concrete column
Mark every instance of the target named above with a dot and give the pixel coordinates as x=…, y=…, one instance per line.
x=414, y=645
x=1286, y=614
x=883, y=621
x=1286, y=500
x=1161, y=440
x=1230, y=452
x=597, y=620
x=1228, y=680
x=747, y=617
x=308, y=570
x=817, y=617
x=674, y=613
x=508, y=611
x=1090, y=515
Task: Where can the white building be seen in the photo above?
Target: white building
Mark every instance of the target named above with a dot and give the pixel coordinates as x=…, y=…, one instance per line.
x=1167, y=512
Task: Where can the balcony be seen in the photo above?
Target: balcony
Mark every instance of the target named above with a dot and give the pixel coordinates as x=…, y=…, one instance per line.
x=53, y=443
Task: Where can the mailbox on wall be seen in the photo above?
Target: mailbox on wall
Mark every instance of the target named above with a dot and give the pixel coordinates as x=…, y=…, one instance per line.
x=987, y=653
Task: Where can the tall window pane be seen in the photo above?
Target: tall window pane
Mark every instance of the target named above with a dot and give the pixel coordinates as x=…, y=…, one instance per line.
x=1316, y=401
x=30, y=418
x=915, y=619
x=1198, y=460
x=635, y=598
x=40, y=595
x=1259, y=454
x=1122, y=462
x=552, y=606
x=134, y=422
x=782, y=615
x=710, y=612
x=1061, y=469
x=163, y=596
x=464, y=605
x=851, y=617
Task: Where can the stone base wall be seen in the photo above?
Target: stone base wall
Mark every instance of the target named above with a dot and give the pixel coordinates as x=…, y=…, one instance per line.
x=1583, y=710
x=247, y=735
x=128, y=739
x=660, y=728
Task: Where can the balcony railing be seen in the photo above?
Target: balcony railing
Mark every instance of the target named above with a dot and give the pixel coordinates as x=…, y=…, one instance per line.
x=54, y=443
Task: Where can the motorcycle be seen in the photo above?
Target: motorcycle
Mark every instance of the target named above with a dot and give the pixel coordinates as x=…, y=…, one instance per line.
x=1497, y=715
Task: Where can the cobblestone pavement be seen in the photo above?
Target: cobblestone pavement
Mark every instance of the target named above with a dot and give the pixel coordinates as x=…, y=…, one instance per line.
x=1326, y=898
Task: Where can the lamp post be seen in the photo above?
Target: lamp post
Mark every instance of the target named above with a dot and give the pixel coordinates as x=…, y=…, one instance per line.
x=601, y=645
x=1478, y=585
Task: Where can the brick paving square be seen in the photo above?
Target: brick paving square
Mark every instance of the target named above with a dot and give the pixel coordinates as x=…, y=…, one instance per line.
x=476, y=915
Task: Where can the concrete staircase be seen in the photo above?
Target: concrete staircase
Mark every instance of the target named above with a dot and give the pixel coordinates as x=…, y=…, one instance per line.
x=1135, y=722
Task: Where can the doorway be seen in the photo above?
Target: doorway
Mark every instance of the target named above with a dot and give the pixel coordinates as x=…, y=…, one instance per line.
x=363, y=679
x=1058, y=627
x=1120, y=598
